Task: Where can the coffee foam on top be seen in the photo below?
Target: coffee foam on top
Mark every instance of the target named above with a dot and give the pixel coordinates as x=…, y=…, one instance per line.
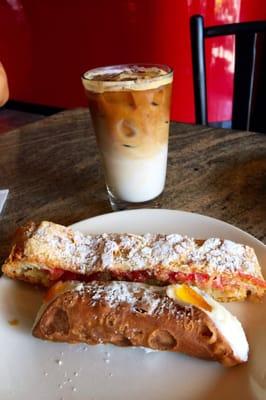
x=127, y=77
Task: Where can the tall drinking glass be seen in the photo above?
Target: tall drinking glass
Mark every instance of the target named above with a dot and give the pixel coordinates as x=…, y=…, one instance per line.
x=130, y=110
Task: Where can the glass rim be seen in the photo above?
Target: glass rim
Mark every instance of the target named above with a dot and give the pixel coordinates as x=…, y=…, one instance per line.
x=100, y=86
x=164, y=67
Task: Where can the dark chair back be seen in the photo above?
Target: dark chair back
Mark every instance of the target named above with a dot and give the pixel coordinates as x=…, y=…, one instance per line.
x=245, y=60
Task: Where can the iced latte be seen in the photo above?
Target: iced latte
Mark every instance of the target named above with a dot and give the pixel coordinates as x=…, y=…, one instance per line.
x=130, y=107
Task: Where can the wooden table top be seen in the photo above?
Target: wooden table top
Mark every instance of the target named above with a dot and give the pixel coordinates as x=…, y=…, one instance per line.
x=52, y=170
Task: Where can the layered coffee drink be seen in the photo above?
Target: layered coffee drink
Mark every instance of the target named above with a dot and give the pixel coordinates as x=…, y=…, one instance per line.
x=130, y=109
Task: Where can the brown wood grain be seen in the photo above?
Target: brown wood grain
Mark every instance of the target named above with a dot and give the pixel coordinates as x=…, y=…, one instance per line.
x=11, y=119
x=52, y=170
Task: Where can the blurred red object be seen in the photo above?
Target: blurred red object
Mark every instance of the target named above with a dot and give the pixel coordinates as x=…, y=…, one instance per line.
x=46, y=45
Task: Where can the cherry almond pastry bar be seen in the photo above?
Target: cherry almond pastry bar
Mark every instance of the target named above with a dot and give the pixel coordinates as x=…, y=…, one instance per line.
x=176, y=318
x=46, y=253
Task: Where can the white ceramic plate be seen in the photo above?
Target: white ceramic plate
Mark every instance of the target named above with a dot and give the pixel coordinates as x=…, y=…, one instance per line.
x=30, y=368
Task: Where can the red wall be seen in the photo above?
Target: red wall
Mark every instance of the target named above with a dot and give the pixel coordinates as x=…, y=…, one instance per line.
x=46, y=45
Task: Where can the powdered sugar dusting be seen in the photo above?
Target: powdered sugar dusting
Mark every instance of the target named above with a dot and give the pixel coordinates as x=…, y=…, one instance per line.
x=114, y=293
x=88, y=254
x=109, y=249
x=151, y=300
x=225, y=255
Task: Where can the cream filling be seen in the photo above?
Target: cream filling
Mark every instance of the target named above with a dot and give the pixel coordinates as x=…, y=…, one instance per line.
x=226, y=323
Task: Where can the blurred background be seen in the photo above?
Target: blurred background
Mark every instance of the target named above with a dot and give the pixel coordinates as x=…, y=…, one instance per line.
x=46, y=45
